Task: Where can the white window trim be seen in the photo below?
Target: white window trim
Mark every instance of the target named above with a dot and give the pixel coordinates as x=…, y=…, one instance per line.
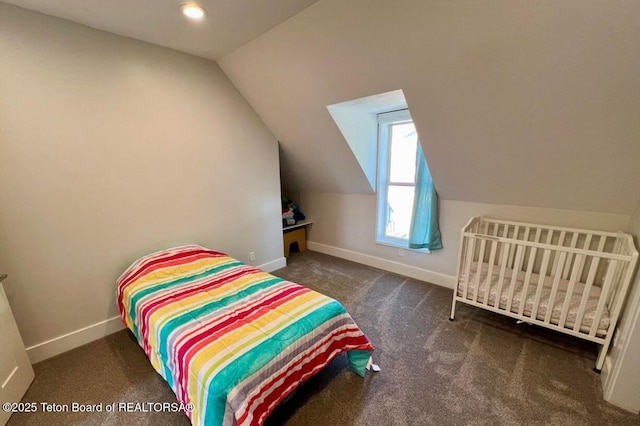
x=382, y=177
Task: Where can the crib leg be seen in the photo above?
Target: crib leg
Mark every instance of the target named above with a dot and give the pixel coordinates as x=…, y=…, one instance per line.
x=453, y=308
x=601, y=356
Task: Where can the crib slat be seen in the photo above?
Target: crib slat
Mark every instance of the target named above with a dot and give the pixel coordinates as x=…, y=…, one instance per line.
x=548, y=241
x=467, y=268
x=574, y=241
x=541, y=279
x=618, y=249
x=527, y=277
x=512, y=250
x=587, y=290
x=503, y=268
x=554, y=288
x=616, y=282
x=578, y=266
x=549, y=236
x=492, y=259
x=601, y=242
x=505, y=233
x=603, y=297
x=527, y=231
x=483, y=243
x=617, y=278
x=514, y=276
x=541, y=276
x=556, y=254
x=587, y=242
x=617, y=246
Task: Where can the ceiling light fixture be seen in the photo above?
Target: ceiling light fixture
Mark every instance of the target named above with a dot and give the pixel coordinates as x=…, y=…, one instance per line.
x=192, y=10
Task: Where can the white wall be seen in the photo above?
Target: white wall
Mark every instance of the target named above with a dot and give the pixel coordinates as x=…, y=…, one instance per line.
x=621, y=376
x=347, y=221
x=112, y=148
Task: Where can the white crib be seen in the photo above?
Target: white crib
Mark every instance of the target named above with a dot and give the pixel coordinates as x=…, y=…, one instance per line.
x=569, y=280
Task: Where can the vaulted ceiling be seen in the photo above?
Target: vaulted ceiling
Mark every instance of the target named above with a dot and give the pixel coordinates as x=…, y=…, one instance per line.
x=228, y=25
x=522, y=103
x=516, y=102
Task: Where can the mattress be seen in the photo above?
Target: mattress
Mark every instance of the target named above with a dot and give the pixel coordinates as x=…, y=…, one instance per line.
x=574, y=305
x=232, y=341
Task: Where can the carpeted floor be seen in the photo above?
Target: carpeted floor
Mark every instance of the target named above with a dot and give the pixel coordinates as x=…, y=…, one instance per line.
x=481, y=369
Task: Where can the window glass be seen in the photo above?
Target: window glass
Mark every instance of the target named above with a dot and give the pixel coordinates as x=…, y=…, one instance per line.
x=403, y=150
x=399, y=206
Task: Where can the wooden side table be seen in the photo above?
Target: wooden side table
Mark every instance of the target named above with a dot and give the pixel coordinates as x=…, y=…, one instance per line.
x=295, y=234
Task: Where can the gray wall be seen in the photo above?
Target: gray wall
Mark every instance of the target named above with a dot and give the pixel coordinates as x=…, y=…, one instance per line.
x=348, y=221
x=526, y=103
x=110, y=149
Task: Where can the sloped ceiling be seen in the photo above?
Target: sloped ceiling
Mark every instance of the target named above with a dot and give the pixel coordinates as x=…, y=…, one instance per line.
x=516, y=102
x=228, y=25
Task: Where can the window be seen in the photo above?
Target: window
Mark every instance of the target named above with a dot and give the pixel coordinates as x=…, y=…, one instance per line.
x=395, y=167
x=397, y=161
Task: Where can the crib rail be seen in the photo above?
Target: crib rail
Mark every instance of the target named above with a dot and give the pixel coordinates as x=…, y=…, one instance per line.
x=567, y=279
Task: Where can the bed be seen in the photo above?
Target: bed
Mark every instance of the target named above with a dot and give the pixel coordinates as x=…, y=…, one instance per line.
x=232, y=341
x=570, y=280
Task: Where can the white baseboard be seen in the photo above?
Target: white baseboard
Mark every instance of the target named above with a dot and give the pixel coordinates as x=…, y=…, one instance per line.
x=66, y=342
x=88, y=334
x=72, y=340
x=274, y=265
x=386, y=265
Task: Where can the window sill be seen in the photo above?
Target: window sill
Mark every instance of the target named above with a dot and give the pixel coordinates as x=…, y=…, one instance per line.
x=401, y=245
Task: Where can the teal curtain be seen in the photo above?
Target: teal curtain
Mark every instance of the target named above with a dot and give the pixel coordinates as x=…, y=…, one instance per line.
x=424, y=232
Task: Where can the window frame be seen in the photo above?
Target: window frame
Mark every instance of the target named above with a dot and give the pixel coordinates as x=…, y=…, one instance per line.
x=385, y=121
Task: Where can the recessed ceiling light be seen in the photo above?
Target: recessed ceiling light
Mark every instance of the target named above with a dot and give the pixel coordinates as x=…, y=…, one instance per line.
x=193, y=11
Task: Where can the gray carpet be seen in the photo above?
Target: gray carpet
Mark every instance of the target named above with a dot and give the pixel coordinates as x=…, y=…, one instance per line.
x=481, y=369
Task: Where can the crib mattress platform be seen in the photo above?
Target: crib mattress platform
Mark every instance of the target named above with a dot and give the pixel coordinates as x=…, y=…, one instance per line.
x=574, y=305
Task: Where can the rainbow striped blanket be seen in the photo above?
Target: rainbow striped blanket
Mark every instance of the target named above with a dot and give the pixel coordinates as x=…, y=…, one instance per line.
x=231, y=340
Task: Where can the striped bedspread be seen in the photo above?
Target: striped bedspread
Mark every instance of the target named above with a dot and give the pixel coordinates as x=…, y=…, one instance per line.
x=230, y=339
